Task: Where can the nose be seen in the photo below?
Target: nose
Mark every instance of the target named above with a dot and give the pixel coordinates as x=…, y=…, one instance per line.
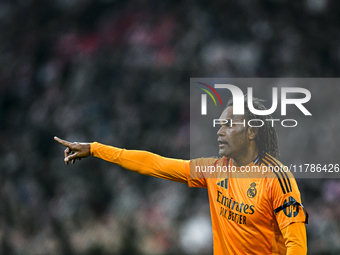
x=220, y=132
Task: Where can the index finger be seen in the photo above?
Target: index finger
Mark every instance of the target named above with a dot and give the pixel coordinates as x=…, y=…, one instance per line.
x=63, y=142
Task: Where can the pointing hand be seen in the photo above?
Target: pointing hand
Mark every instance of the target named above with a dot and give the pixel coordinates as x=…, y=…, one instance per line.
x=74, y=151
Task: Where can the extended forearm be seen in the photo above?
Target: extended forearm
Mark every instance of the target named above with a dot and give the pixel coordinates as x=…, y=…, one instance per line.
x=143, y=162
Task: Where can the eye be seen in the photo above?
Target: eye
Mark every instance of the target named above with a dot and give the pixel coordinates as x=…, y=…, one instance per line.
x=225, y=124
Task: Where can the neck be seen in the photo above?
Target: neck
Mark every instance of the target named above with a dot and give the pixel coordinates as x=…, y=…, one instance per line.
x=246, y=158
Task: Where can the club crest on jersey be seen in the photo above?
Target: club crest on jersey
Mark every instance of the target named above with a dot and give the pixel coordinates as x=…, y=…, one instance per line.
x=251, y=192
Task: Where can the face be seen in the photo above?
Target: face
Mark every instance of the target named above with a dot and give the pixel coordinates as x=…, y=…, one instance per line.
x=233, y=140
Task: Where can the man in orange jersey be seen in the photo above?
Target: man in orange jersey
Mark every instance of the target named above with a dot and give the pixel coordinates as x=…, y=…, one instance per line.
x=251, y=212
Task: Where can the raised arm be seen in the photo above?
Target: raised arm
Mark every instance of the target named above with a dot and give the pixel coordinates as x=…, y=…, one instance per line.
x=141, y=162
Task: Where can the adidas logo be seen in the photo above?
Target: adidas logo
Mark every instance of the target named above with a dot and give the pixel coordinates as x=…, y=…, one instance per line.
x=223, y=184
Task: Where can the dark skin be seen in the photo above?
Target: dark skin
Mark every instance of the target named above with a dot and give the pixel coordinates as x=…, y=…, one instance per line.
x=74, y=151
x=236, y=142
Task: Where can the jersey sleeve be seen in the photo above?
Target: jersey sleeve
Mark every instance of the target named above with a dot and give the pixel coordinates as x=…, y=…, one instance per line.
x=286, y=200
x=198, y=171
x=295, y=239
x=144, y=162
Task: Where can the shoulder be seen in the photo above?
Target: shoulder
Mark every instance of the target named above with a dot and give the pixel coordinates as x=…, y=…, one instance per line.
x=208, y=167
x=275, y=167
x=208, y=161
x=278, y=175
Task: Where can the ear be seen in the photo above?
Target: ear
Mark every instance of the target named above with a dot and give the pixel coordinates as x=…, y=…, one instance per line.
x=252, y=133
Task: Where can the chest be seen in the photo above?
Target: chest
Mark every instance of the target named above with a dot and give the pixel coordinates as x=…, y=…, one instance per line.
x=240, y=201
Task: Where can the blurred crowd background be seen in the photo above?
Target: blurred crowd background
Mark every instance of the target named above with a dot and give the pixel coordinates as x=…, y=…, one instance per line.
x=118, y=72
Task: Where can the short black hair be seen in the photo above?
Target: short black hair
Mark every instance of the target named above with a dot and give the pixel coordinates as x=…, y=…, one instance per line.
x=266, y=138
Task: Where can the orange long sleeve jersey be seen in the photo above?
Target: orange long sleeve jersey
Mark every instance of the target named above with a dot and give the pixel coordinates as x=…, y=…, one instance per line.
x=250, y=215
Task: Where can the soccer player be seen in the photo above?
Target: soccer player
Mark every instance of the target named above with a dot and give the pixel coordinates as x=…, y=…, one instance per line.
x=250, y=213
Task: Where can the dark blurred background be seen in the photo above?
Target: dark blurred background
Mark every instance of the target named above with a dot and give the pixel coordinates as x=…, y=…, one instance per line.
x=118, y=72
